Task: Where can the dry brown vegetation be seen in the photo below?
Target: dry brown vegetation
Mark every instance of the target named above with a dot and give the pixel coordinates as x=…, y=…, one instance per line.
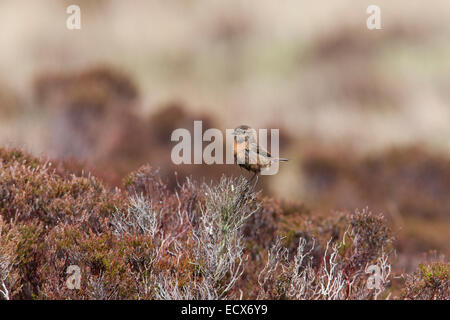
x=363, y=118
x=198, y=241
x=56, y=213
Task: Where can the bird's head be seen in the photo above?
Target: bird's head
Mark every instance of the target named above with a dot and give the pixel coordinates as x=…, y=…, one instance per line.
x=243, y=133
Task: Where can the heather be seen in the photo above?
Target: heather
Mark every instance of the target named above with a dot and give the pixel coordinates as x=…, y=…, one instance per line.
x=217, y=240
x=87, y=181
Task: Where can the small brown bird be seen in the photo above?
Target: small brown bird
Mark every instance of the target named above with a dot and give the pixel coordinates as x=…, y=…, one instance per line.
x=248, y=154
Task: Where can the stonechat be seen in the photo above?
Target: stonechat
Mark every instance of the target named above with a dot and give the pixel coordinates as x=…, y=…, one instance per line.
x=248, y=154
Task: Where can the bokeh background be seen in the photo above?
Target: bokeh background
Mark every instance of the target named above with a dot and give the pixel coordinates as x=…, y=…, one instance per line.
x=364, y=116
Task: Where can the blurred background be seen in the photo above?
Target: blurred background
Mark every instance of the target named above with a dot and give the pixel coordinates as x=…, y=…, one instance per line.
x=364, y=115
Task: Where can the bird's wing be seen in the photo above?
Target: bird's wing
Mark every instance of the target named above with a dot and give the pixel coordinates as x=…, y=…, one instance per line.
x=258, y=154
x=260, y=150
x=263, y=152
x=253, y=147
